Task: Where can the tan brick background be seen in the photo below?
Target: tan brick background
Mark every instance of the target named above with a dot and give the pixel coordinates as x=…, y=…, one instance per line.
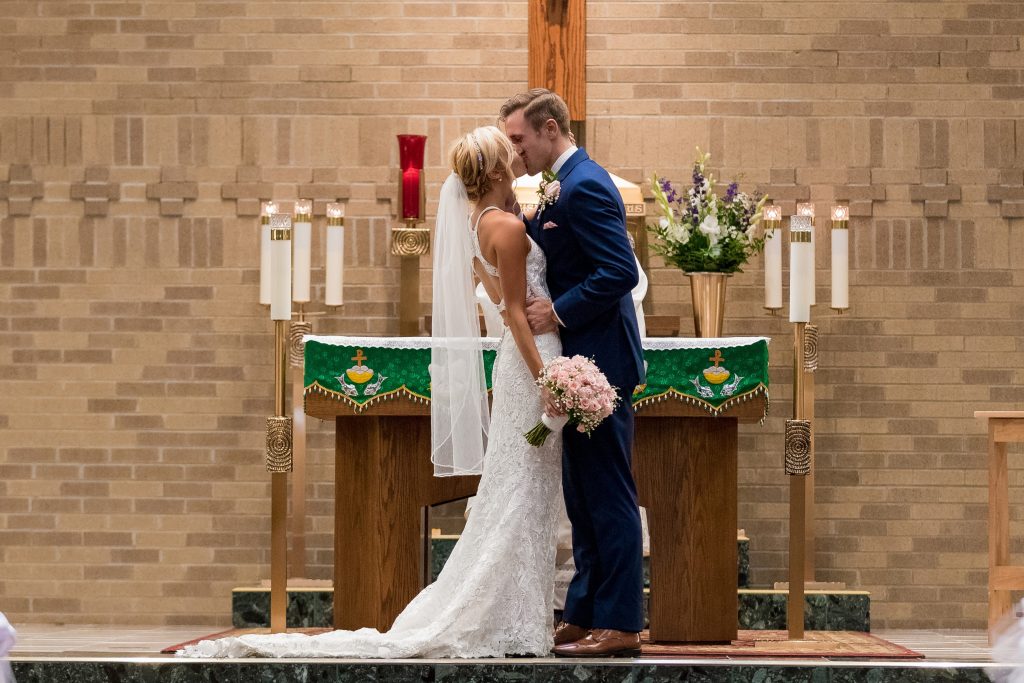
x=136, y=139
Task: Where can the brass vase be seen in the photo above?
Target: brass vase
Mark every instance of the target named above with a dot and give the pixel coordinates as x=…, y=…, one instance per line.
x=708, y=293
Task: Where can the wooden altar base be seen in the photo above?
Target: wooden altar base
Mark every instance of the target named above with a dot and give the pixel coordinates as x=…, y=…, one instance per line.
x=102, y=654
x=383, y=483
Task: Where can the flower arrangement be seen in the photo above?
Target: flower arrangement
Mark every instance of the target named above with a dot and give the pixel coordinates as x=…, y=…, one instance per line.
x=699, y=231
x=547, y=191
x=580, y=390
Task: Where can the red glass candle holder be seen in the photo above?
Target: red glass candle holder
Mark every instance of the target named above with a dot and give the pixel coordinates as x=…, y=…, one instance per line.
x=410, y=159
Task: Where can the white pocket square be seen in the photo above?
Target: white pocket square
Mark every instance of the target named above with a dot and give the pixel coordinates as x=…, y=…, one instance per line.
x=549, y=225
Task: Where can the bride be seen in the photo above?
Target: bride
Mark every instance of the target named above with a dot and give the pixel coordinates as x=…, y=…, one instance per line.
x=494, y=596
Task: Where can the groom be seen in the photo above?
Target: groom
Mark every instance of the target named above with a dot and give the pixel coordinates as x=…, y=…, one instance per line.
x=581, y=226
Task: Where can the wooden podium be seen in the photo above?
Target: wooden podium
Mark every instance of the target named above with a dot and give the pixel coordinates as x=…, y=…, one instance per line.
x=685, y=467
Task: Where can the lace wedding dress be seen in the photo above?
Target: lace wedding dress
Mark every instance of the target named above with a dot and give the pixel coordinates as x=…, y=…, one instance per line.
x=494, y=596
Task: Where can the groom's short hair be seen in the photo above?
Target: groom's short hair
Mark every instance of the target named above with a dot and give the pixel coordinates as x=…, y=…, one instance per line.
x=538, y=105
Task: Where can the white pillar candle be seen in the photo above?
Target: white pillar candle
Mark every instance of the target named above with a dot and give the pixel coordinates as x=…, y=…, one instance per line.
x=280, y=267
x=268, y=209
x=807, y=209
x=801, y=266
x=773, y=257
x=302, y=249
x=335, y=253
x=840, y=257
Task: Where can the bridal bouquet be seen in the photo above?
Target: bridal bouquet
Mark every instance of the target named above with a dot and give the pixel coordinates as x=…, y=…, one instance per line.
x=580, y=390
x=699, y=231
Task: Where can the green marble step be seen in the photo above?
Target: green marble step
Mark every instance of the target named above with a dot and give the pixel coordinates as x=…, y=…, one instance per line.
x=441, y=548
x=141, y=670
x=758, y=609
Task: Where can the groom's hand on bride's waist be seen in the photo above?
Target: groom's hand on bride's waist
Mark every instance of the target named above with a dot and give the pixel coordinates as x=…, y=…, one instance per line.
x=550, y=405
x=541, y=316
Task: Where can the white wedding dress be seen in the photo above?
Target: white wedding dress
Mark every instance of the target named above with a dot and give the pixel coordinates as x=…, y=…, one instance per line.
x=495, y=595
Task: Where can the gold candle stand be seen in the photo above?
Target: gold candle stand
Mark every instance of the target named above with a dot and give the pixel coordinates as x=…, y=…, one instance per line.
x=279, y=463
x=810, y=365
x=798, y=465
x=409, y=244
x=298, y=328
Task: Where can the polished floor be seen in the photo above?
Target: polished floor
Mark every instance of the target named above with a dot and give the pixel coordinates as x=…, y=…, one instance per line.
x=37, y=641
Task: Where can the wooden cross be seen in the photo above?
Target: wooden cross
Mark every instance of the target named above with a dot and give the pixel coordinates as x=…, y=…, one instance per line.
x=359, y=357
x=717, y=358
x=557, y=48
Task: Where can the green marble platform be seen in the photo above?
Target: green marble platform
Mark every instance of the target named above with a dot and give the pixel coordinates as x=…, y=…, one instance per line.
x=759, y=609
x=170, y=670
x=441, y=549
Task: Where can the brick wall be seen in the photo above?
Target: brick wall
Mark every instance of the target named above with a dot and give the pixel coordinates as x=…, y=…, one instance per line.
x=136, y=139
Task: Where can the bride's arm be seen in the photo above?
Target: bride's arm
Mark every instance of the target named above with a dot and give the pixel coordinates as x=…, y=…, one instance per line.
x=508, y=237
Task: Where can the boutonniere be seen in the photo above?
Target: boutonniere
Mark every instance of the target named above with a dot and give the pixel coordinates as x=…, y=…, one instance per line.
x=547, y=191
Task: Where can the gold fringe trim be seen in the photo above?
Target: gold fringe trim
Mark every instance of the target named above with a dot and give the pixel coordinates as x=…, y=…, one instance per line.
x=405, y=392
x=759, y=390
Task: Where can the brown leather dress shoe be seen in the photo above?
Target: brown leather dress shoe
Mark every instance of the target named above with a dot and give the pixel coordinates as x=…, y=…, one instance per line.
x=602, y=642
x=569, y=633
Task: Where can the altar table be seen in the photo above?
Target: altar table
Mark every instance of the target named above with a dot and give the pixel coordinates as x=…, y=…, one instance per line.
x=377, y=389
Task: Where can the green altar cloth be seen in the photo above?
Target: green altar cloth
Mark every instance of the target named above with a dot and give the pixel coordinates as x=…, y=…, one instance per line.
x=712, y=373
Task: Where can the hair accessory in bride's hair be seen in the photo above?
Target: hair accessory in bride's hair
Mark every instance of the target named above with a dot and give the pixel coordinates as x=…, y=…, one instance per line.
x=479, y=152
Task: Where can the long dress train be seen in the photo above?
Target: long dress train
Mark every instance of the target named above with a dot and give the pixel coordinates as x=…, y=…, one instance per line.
x=494, y=596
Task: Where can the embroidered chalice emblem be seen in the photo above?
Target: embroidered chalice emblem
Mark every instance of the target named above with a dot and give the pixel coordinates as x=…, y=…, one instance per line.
x=359, y=373
x=716, y=374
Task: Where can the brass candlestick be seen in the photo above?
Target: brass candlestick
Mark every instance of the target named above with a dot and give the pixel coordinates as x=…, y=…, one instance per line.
x=798, y=465
x=409, y=243
x=810, y=365
x=279, y=463
x=298, y=329
x=279, y=426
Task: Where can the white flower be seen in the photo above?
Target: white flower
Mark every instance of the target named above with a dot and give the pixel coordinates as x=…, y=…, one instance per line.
x=552, y=189
x=663, y=223
x=678, y=233
x=709, y=226
x=547, y=194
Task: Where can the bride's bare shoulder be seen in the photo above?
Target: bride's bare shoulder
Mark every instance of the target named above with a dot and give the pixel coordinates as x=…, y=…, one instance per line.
x=503, y=221
x=500, y=229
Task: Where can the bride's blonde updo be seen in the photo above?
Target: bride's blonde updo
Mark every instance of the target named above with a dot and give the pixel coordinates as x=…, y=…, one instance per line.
x=475, y=156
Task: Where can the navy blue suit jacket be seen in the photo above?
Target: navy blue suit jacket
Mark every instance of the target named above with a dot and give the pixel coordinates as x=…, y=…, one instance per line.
x=592, y=271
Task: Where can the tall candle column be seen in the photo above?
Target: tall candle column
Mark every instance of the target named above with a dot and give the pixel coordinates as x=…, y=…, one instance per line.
x=302, y=247
x=807, y=209
x=335, y=255
x=279, y=427
x=797, y=447
x=773, y=258
x=840, y=258
x=266, y=211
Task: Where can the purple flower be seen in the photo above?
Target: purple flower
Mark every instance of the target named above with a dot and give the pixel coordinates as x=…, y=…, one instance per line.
x=730, y=192
x=670, y=192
